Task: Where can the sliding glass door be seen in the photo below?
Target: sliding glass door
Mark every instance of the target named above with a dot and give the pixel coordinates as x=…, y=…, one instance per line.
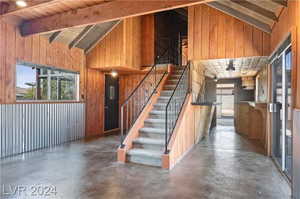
x=277, y=115
x=282, y=109
x=288, y=112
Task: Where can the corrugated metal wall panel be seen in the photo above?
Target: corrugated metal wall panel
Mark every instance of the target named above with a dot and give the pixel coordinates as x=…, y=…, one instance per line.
x=28, y=127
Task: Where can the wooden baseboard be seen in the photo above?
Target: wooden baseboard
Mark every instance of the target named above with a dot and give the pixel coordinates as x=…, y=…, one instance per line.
x=112, y=132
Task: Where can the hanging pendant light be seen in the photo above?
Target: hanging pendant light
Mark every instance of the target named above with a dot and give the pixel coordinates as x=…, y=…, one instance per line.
x=230, y=66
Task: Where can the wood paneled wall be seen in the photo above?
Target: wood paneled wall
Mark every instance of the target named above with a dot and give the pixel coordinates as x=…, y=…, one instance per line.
x=109, y=52
x=214, y=35
x=251, y=121
x=133, y=42
x=288, y=19
x=127, y=84
x=197, y=78
x=37, y=50
x=95, y=94
x=148, y=40
x=120, y=48
x=95, y=98
x=289, y=23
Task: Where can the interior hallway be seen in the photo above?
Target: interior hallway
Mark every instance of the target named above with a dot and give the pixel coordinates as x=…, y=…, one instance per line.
x=224, y=165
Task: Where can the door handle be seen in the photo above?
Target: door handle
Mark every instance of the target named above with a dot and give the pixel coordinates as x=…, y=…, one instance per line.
x=274, y=107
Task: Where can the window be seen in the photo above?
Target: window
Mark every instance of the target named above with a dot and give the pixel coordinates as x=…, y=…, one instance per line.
x=45, y=83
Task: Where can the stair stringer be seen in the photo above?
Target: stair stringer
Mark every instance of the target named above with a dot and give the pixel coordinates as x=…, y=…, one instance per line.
x=134, y=131
x=192, y=126
x=184, y=128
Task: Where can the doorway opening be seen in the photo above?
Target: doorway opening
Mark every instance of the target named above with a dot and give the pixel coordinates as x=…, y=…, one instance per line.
x=225, y=104
x=171, y=29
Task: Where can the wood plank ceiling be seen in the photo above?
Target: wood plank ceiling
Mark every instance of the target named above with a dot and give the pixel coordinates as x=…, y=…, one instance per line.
x=262, y=14
x=243, y=67
x=84, y=37
x=43, y=8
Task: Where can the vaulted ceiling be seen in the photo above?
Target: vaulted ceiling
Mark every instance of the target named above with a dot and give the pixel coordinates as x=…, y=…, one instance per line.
x=42, y=16
x=262, y=14
x=54, y=15
x=43, y=8
x=84, y=37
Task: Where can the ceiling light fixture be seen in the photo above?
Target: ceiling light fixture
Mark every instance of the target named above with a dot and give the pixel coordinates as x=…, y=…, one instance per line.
x=215, y=79
x=114, y=73
x=230, y=66
x=21, y=3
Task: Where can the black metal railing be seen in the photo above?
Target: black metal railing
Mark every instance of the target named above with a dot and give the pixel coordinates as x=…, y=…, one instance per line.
x=175, y=104
x=139, y=98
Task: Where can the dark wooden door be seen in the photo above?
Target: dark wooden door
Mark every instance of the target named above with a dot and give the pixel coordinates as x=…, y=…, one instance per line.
x=111, y=103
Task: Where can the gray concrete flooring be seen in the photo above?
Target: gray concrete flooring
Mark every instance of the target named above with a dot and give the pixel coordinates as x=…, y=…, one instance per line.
x=223, y=166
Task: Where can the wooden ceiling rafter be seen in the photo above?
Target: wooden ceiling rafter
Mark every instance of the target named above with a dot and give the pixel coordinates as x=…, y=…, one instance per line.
x=54, y=36
x=241, y=16
x=85, y=37
x=101, y=37
x=81, y=35
x=261, y=14
x=261, y=11
x=104, y=12
x=280, y=2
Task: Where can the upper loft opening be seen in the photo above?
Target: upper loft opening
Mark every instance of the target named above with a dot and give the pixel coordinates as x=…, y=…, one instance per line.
x=171, y=29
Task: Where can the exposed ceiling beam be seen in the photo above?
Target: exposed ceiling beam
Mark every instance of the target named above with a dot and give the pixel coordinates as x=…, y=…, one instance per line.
x=54, y=36
x=251, y=6
x=260, y=25
x=81, y=35
x=281, y=2
x=109, y=11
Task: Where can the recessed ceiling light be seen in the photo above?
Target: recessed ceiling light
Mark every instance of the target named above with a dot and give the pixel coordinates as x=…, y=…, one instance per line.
x=21, y=3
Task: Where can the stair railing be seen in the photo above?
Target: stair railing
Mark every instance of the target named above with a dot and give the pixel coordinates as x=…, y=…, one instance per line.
x=139, y=98
x=175, y=104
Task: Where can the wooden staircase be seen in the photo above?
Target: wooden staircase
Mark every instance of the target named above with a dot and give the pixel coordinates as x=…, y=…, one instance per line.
x=148, y=147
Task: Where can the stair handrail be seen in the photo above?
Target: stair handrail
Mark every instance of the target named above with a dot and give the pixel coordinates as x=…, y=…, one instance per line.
x=184, y=81
x=133, y=93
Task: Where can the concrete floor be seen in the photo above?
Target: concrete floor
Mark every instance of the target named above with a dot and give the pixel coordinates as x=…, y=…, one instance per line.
x=223, y=166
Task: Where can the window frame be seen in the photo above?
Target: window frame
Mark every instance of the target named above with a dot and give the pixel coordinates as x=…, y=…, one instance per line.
x=49, y=76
